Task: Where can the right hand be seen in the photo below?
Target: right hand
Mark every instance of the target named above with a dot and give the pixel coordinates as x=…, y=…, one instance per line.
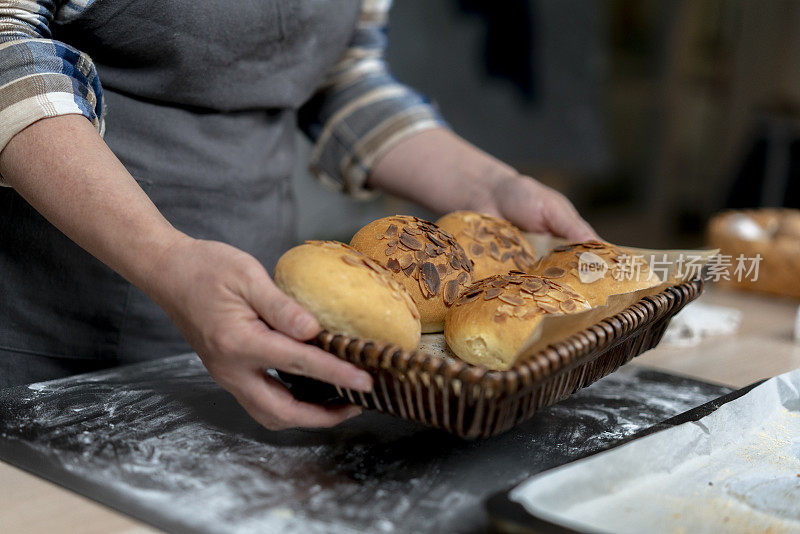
x=241, y=324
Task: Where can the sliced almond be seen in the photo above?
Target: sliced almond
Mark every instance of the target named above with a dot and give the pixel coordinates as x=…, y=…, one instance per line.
x=455, y=263
x=393, y=265
x=435, y=241
x=431, y=277
x=531, y=284
x=483, y=235
x=514, y=300
x=569, y=306
x=549, y=308
x=469, y=297
x=491, y=293
x=494, y=252
x=410, y=241
x=554, y=272
x=466, y=263
x=423, y=288
x=450, y=292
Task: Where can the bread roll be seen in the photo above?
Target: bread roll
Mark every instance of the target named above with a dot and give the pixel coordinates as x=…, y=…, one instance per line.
x=789, y=225
x=495, y=245
x=774, y=236
x=348, y=293
x=427, y=261
x=596, y=270
x=493, y=319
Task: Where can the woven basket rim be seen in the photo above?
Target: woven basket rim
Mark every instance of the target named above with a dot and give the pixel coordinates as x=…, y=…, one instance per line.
x=540, y=367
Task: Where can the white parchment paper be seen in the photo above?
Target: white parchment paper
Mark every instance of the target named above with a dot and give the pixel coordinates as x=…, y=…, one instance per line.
x=735, y=470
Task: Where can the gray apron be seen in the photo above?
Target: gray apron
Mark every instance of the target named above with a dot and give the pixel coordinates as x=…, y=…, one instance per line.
x=201, y=102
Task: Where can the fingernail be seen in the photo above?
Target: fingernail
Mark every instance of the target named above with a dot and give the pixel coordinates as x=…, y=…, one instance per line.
x=353, y=412
x=363, y=382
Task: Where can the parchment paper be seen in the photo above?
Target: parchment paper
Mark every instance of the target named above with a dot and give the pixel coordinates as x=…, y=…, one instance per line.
x=557, y=327
x=735, y=470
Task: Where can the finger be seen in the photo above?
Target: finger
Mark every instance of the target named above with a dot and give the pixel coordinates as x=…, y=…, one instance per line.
x=563, y=220
x=271, y=404
x=282, y=312
x=268, y=348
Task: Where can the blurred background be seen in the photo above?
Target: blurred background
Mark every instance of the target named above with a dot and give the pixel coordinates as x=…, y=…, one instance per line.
x=650, y=115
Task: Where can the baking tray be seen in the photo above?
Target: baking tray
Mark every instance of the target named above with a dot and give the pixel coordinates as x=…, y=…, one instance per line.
x=161, y=441
x=474, y=402
x=507, y=515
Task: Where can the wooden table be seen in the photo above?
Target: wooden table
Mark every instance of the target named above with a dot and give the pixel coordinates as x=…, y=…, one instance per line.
x=763, y=347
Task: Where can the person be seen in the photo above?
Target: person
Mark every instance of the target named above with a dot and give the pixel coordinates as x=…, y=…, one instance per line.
x=145, y=230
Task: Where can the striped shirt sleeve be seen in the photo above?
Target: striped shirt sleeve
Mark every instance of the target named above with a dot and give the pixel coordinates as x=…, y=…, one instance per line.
x=360, y=111
x=41, y=77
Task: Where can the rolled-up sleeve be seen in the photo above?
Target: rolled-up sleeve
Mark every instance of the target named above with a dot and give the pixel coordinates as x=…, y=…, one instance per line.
x=41, y=77
x=360, y=111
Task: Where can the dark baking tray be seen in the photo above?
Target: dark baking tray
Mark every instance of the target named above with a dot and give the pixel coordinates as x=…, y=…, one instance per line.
x=510, y=516
x=472, y=401
x=162, y=442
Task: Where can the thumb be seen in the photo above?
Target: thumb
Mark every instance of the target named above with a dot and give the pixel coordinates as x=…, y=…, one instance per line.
x=564, y=221
x=281, y=312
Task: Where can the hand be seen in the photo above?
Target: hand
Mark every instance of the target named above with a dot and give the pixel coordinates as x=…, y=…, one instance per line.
x=241, y=324
x=444, y=173
x=535, y=208
x=221, y=298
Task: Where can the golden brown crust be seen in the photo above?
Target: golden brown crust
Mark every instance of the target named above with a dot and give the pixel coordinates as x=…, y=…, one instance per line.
x=427, y=261
x=776, y=240
x=622, y=272
x=491, y=322
x=495, y=245
x=349, y=293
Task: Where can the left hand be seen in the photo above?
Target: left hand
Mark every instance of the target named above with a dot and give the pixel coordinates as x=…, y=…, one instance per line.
x=534, y=207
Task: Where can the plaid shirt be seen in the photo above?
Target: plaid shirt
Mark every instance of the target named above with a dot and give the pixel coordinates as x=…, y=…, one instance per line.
x=356, y=115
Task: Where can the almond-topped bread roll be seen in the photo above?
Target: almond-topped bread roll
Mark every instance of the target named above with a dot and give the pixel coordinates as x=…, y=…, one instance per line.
x=491, y=322
x=495, y=245
x=596, y=270
x=348, y=293
x=426, y=260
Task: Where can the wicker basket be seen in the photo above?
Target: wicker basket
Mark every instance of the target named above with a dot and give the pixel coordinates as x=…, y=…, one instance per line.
x=471, y=401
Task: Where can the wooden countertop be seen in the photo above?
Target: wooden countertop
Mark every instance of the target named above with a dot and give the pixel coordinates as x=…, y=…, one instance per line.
x=762, y=348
